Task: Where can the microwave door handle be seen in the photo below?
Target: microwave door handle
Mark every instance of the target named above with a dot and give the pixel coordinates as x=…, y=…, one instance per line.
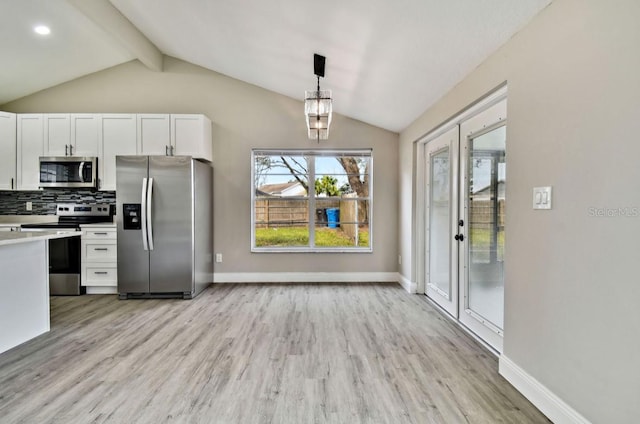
x=143, y=214
x=80, y=171
x=150, y=212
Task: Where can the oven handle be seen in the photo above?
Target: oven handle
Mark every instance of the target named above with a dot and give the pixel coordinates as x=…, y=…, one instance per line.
x=143, y=218
x=150, y=212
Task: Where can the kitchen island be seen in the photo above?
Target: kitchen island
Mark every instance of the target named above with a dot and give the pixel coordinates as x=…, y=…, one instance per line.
x=24, y=285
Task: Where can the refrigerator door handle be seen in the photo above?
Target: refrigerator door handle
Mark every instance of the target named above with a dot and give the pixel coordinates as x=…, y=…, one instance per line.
x=149, y=212
x=143, y=218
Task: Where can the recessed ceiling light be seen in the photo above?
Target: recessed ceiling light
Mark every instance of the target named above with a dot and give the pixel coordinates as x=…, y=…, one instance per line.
x=42, y=30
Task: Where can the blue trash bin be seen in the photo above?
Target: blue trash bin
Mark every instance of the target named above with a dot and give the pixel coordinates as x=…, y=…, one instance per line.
x=333, y=217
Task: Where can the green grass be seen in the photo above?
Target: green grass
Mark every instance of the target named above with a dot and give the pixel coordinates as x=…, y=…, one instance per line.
x=299, y=236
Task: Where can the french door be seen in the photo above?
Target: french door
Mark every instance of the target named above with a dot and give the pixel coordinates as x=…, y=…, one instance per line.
x=464, y=242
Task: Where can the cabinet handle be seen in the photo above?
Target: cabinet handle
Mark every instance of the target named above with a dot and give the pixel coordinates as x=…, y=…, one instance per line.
x=101, y=234
x=171, y=150
x=100, y=248
x=166, y=150
x=11, y=183
x=100, y=272
x=98, y=185
x=70, y=149
x=66, y=150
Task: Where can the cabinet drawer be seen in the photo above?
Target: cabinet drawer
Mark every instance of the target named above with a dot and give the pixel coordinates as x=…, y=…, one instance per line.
x=100, y=276
x=100, y=234
x=100, y=252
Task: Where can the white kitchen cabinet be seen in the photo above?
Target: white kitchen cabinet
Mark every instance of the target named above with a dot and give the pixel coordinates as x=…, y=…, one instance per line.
x=57, y=134
x=117, y=136
x=153, y=134
x=7, y=151
x=191, y=136
x=30, y=146
x=99, y=260
x=84, y=134
x=71, y=134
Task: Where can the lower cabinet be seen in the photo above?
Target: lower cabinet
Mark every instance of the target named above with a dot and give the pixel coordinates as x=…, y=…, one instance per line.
x=99, y=269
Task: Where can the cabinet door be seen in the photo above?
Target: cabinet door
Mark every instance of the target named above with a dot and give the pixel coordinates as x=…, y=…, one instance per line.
x=7, y=151
x=191, y=136
x=30, y=147
x=57, y=134
x=84, y=135
x=117, y=137
x=153, y=134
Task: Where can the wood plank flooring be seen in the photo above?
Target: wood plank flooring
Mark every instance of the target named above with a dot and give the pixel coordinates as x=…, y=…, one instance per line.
x=248, y=353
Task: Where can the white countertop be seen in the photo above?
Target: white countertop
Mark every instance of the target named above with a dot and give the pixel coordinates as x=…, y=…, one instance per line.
x=15, y=237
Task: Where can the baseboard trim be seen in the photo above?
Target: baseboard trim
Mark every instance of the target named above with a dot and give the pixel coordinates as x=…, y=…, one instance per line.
x=409, y=286
x=544, y=399
x=304, y=277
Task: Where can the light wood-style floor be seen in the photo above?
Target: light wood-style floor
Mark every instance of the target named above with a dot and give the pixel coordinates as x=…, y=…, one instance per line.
x=246, y=353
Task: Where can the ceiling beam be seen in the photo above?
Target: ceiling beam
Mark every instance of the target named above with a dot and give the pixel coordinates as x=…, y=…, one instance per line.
x=105, y=15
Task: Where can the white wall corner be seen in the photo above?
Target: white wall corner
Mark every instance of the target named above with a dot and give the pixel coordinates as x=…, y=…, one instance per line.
x=409, y=286
x=305, y=277
x=544, y=399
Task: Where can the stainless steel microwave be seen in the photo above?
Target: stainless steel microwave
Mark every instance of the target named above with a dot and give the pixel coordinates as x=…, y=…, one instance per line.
x=68, y=171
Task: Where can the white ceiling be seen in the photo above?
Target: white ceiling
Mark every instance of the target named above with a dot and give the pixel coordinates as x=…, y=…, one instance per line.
x=387, y=62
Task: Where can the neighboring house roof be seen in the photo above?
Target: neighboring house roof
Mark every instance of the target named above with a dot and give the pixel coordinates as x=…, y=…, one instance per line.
x=282, y=189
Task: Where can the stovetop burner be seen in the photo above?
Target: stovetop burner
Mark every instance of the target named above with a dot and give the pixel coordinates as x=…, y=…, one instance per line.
x=74, y=215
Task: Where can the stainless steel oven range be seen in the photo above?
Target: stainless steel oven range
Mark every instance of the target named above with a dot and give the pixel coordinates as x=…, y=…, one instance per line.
x=64, y=253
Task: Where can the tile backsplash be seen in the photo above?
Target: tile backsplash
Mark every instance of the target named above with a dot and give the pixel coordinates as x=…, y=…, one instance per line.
x=44, y=201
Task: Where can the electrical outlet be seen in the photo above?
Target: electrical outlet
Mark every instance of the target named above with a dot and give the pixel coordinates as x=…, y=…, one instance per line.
x=218, y=257
x=29, y=206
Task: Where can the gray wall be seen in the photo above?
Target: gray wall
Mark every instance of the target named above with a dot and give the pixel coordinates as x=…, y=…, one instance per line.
x=572, y=319
x=244, y=117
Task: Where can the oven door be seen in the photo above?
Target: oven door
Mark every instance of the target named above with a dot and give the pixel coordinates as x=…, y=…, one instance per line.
x=64, y=267
x=68, y=171
x=64, y=264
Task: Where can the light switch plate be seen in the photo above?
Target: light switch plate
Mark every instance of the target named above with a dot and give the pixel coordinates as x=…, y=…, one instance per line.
x=542, y=198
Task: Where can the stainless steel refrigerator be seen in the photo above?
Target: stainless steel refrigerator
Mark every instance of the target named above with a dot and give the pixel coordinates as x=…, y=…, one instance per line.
x=165, y=226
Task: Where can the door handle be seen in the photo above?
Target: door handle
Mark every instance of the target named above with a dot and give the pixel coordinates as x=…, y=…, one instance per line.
x=144, y=214
x=150, y=212
x=460, y=223
x=459, y=237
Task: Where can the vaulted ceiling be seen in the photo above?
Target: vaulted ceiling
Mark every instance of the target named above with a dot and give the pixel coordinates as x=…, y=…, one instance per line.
x=387, y=62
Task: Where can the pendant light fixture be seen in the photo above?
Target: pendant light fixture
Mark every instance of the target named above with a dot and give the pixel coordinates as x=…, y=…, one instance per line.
x=317, y=105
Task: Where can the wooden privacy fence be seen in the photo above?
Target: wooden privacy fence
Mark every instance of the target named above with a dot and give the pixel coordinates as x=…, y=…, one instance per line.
x=279, y=212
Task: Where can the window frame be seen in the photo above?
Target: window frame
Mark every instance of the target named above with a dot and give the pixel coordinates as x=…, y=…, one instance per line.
x=312, y=199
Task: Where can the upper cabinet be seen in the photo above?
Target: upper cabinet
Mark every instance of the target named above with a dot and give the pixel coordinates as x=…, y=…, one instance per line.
x=153, y=134
x=171, y=135
x=26, y=137
x=7, y=151
x=191, y=136
x=117, y=137
x=71, y=134
x=85, y=134
x=30, y=146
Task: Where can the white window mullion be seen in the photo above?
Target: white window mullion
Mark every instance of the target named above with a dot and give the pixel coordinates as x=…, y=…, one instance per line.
x=311, y=182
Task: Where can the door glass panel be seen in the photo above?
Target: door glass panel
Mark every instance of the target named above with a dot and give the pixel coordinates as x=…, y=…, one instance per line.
x=486, y=217
x=439, y=221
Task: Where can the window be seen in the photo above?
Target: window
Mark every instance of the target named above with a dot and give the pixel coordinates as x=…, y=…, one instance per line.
x=311, y=200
